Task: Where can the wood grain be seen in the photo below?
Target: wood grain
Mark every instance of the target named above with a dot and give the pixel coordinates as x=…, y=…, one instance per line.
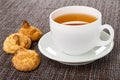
x=13, y=12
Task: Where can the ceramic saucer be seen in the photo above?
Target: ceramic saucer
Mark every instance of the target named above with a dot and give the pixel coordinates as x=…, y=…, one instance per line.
x=48, y=49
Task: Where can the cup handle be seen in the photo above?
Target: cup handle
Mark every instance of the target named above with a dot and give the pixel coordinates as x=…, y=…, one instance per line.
x=111, y=37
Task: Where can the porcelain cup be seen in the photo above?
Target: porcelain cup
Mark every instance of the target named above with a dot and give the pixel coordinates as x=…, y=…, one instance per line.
x=76, y=40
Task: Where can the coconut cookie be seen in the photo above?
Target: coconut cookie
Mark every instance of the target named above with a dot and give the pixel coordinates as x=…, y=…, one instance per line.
x=30, y=31
x=26, y=60
x=16, y=41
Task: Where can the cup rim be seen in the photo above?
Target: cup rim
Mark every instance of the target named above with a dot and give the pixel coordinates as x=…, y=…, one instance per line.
x=100, y=15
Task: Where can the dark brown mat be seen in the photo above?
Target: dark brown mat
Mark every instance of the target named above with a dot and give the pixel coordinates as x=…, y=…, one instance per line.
x=12, y=12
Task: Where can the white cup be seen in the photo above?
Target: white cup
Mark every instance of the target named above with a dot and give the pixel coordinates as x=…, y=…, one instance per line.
x=76, y=40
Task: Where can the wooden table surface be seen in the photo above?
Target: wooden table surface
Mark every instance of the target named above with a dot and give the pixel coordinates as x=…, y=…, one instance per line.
x=13, y=12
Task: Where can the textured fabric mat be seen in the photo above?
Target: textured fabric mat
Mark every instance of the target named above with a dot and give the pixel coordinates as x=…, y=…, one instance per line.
x=13, y=12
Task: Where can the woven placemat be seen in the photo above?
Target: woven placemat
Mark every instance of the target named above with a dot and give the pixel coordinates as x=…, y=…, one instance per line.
x=36, y=12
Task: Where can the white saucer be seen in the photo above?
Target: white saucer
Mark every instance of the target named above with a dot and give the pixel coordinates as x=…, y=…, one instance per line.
x=48, y=49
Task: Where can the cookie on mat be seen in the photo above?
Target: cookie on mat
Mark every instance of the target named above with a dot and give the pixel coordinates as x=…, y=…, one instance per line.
x=26, y=60
x=16, y=41
x=30, y=31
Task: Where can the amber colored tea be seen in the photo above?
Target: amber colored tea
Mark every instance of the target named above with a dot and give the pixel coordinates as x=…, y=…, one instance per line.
x=75, y=19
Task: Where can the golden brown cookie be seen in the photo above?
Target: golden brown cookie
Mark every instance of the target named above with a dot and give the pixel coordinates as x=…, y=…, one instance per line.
x=26, y=60
x=30, y=31
x=16, y=41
